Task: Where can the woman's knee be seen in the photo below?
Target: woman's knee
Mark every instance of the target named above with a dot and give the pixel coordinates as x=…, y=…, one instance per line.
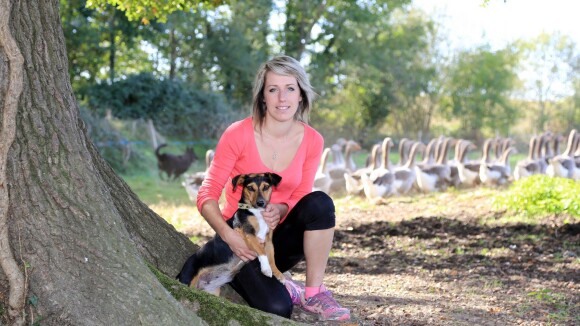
x=320, y=210
x=281, y=306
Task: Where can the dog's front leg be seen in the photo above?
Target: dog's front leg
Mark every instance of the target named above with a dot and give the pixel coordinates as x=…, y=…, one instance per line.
x=269, y=248
x=254, y=243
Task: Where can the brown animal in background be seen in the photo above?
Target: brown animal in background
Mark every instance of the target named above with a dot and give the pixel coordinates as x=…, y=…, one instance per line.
x=174, y=165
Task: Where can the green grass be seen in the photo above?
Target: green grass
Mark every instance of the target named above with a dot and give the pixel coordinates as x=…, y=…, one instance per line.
x=540, y=195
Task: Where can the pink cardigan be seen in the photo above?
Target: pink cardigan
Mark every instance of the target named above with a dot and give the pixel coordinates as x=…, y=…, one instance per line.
x=237, y=153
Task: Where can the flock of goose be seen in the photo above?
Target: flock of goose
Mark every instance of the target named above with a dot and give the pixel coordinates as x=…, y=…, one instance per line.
x=444, y=163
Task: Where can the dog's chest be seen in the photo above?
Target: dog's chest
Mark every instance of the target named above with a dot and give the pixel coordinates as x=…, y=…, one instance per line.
x=263, y=227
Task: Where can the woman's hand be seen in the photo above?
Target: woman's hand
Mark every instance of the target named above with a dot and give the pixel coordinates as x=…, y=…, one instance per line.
x=238, y=246
x=272, y=215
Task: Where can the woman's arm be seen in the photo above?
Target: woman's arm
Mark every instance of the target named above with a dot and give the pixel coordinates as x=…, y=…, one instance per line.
x=212, y=214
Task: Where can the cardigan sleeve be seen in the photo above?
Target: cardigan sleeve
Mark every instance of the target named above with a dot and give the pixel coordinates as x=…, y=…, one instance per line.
x=226, y=155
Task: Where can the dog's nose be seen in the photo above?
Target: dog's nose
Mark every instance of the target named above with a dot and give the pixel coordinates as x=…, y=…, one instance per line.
x=261, y=203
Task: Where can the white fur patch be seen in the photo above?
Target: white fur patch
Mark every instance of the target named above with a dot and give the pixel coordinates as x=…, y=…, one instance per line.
x=265, y=266
x=261, y=233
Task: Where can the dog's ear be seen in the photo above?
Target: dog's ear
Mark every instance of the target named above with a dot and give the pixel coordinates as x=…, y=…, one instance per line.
x=237, y=180
x=274, y=178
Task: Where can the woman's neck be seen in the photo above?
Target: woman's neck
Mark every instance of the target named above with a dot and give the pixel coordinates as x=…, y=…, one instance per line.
x=277, y=130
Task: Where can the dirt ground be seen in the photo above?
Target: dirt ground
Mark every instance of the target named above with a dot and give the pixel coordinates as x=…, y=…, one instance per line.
x=449, y=259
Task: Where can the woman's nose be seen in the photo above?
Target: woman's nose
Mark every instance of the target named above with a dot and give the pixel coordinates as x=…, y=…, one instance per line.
x=283, y=95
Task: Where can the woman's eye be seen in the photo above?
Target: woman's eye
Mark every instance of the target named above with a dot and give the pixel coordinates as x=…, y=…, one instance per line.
x=292, y=89
x=272, y=90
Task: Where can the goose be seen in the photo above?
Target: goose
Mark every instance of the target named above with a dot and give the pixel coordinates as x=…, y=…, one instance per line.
x=531, y=164
x=351, y=147
x=496, y=174
x=192, y=182
x=405, y=176
x=468, y=171
x=353, y=179
x=379, y=182
x=564, y=165
x=443, y=160
x=434, y=177
x=542, y=152
x=428, y=154
x=404, y=144
x=336, y=172
x=322, y=180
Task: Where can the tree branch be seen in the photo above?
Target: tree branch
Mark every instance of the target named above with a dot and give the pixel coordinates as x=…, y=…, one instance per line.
x=8, y=134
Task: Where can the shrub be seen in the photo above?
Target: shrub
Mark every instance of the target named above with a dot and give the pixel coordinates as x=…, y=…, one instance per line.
x=179, y=109
x=540, y=195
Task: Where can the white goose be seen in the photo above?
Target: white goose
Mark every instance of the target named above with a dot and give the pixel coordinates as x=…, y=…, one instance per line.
x=530, y=165
x=468, y=171
x=434, y=177
x=354, y=185
x=192, y=182
x=322, y=180
x=379, y=183
x=564, y=165
x=405, y=176
x=495, y=174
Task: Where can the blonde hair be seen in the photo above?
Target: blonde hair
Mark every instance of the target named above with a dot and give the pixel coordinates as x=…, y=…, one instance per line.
x=286, y=66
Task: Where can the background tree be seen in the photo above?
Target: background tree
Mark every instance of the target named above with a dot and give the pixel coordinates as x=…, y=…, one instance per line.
x=478, y=90
x=547, y=62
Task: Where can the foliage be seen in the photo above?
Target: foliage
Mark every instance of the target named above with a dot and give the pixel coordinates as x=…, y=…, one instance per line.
x=540, y=195
x=379, y=66
x=215, y=310
x=179, y=109
x=108, y=36
x=145, y=10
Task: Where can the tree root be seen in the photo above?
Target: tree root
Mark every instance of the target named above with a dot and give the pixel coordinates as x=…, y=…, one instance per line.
x=8, y=134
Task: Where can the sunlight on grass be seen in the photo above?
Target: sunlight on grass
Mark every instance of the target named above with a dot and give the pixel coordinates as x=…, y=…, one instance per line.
x=180, y=216
x=540, y=195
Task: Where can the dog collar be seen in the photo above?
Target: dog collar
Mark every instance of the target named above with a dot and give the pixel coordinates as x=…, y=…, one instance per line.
x=244, y=206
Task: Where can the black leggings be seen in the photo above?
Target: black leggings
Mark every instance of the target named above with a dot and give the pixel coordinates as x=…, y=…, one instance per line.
x=314, y=211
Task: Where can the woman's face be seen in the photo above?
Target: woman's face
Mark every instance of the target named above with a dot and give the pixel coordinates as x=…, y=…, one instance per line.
x=281, y=96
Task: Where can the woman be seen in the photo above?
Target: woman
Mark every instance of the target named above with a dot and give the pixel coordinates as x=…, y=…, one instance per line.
x=277, y=139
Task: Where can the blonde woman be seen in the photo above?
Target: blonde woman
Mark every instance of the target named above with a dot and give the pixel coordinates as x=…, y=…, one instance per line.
x=277, y=138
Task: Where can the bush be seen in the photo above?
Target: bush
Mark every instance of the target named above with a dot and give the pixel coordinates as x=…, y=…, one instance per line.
x=179, y=109
x=541, y=195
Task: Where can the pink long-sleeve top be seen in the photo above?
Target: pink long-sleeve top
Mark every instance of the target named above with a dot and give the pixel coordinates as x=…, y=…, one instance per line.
x=237, y=153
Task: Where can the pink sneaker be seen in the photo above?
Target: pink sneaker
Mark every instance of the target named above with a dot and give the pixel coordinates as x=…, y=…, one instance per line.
x=295, y=290
x=326, y=306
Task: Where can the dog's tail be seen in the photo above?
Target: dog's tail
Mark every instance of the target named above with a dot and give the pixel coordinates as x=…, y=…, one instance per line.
x=158, y=148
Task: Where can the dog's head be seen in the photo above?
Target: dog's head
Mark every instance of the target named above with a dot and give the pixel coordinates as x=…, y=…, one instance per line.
x=257, y=187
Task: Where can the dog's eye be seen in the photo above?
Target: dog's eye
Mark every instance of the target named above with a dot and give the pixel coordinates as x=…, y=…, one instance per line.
x=251, y=188
x=265, y=187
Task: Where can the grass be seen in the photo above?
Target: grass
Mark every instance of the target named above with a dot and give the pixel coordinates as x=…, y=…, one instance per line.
x=541, y=195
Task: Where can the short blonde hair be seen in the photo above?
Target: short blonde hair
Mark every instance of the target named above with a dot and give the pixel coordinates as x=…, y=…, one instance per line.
x=286, y=66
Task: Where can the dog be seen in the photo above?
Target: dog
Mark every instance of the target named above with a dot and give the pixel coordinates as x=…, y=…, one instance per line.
x=215, y=264
x=174, y=165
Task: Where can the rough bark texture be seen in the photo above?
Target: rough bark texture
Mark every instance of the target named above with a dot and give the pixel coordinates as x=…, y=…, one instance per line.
x=9, y=106
x=85, y=237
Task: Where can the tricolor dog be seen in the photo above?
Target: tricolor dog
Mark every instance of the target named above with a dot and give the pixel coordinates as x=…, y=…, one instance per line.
x=215, y=264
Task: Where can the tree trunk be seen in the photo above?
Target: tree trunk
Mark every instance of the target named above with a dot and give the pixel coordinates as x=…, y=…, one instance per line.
x=81, y=236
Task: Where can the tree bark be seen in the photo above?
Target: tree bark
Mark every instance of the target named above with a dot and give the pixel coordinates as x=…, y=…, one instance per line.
x=83, y=235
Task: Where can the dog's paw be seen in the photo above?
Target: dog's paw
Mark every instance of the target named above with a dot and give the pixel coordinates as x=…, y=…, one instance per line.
x=281, y=278
x=265, y=266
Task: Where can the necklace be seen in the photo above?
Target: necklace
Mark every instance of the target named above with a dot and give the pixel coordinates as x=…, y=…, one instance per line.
x=275, y=148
